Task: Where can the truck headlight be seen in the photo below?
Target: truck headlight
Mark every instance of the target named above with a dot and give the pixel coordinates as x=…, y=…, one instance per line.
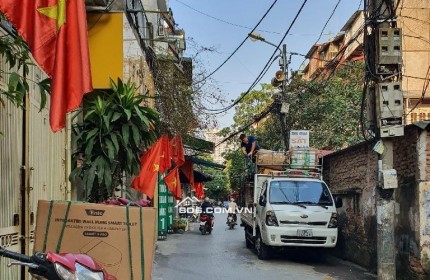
x=333, y=221
x=271, y=219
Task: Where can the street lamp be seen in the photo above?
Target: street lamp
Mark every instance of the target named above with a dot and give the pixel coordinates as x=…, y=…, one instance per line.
x=280, y=79
x=281, y=76
x=257, y=37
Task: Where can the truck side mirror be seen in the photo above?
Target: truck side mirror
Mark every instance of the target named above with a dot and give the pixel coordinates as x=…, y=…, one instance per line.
x=262, y=200
x=338, y=202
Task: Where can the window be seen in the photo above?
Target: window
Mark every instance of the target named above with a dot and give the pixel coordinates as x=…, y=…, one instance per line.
x=414, y=117
x=299, y=192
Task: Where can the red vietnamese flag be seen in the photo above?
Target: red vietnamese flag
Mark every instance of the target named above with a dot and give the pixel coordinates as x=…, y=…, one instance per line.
x=150, y=165
x=177, y=150
x=187, y=169
x=200, y=192
x=165, y=161
x=173, y=183
x=56, y=31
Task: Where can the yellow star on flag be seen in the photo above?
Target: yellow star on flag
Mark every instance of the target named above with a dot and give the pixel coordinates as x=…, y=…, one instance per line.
x=156, y=167
x=174, y=183
x=57, y=12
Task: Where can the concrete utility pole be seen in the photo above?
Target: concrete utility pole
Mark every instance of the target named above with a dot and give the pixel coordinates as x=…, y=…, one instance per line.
x=280, y=80
x=383, y=44
x=282, y=77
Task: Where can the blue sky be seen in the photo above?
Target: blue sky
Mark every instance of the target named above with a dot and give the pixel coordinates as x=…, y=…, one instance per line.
x=242, y=69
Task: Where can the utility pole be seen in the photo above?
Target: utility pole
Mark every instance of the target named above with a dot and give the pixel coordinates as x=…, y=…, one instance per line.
x=282, y=77
x=383, y=45
x=280, y=80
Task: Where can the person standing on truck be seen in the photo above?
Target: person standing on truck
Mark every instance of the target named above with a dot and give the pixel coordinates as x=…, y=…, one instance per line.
x=249, y=145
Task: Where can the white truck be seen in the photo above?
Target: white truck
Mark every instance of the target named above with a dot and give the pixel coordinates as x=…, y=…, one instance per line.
x=289, y=208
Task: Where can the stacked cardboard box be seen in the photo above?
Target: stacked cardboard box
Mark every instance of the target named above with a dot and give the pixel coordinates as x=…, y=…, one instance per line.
x=272, y=159
x=119, y=238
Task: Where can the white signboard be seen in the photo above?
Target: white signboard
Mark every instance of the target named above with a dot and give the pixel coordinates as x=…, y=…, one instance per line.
x=299, y=139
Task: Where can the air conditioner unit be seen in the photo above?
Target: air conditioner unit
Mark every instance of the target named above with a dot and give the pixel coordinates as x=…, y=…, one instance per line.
x=161, y=31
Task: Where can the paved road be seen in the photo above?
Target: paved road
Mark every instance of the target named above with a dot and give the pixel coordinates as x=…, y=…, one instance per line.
x=223, y=255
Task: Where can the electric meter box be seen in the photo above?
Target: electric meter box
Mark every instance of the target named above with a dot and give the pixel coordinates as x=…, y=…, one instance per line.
x=389, y=179
x=392, y=131
x=390, y=100
x=389, y=46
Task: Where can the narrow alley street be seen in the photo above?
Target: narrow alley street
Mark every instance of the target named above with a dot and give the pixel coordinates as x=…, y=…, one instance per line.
x=223, y=255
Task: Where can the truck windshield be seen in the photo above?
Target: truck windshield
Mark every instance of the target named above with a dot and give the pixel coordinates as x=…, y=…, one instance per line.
x=299, y=192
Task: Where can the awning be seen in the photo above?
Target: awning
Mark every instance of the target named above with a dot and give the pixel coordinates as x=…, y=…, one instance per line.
x=205, y=162
x=197, y=144
x=198, y=177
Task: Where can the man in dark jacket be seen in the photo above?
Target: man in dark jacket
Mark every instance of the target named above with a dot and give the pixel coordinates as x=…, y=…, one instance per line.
x=248, y=145
x=208, y=209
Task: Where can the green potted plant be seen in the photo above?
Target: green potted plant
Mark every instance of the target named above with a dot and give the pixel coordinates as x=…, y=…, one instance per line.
x=110, y=138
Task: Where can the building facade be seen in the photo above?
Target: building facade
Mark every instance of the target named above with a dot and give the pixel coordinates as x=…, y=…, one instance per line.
x=35, y=163
x=413, y=17
x=212, y=135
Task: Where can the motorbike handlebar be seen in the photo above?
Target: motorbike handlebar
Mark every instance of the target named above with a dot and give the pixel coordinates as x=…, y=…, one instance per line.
x=14, y=255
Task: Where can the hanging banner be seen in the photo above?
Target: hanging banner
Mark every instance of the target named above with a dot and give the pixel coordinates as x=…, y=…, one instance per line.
x=170, y=212
x=162, y=209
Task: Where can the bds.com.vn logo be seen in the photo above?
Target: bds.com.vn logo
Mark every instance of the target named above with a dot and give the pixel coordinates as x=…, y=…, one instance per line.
x=185, y=207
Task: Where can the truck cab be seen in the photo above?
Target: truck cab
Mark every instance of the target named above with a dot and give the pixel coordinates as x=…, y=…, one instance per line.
x=291, y=209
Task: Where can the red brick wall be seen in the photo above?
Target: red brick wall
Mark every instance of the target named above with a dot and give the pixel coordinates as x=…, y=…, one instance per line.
x=352, y=175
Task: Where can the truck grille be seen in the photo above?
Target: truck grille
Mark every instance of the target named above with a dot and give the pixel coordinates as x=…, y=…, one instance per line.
x=303, y=240
x=303, y=223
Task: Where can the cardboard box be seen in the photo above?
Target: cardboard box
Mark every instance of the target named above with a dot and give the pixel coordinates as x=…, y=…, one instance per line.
x=272, y=159
x=101, y=232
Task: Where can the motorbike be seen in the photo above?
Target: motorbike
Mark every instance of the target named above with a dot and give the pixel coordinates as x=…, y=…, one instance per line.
x=205, y=224
x=231, y=221
x=52, y=266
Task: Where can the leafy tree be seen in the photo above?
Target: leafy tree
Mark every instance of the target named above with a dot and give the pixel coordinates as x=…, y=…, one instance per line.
x=235, y=169
x=216, y=188
x=252, y=104
x=114, y=129
x=329, y=109
x=267, y=130
x=16, y=54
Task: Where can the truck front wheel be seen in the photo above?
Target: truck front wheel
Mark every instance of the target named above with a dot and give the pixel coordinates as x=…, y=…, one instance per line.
x=263, y=251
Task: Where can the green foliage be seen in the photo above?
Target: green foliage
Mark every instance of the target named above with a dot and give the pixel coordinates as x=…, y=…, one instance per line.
x=235, y=169
x=217, y=188
x=267, y=131
x=330, y=109
x=252, y=104
x=114, y=129
x=15, y=52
